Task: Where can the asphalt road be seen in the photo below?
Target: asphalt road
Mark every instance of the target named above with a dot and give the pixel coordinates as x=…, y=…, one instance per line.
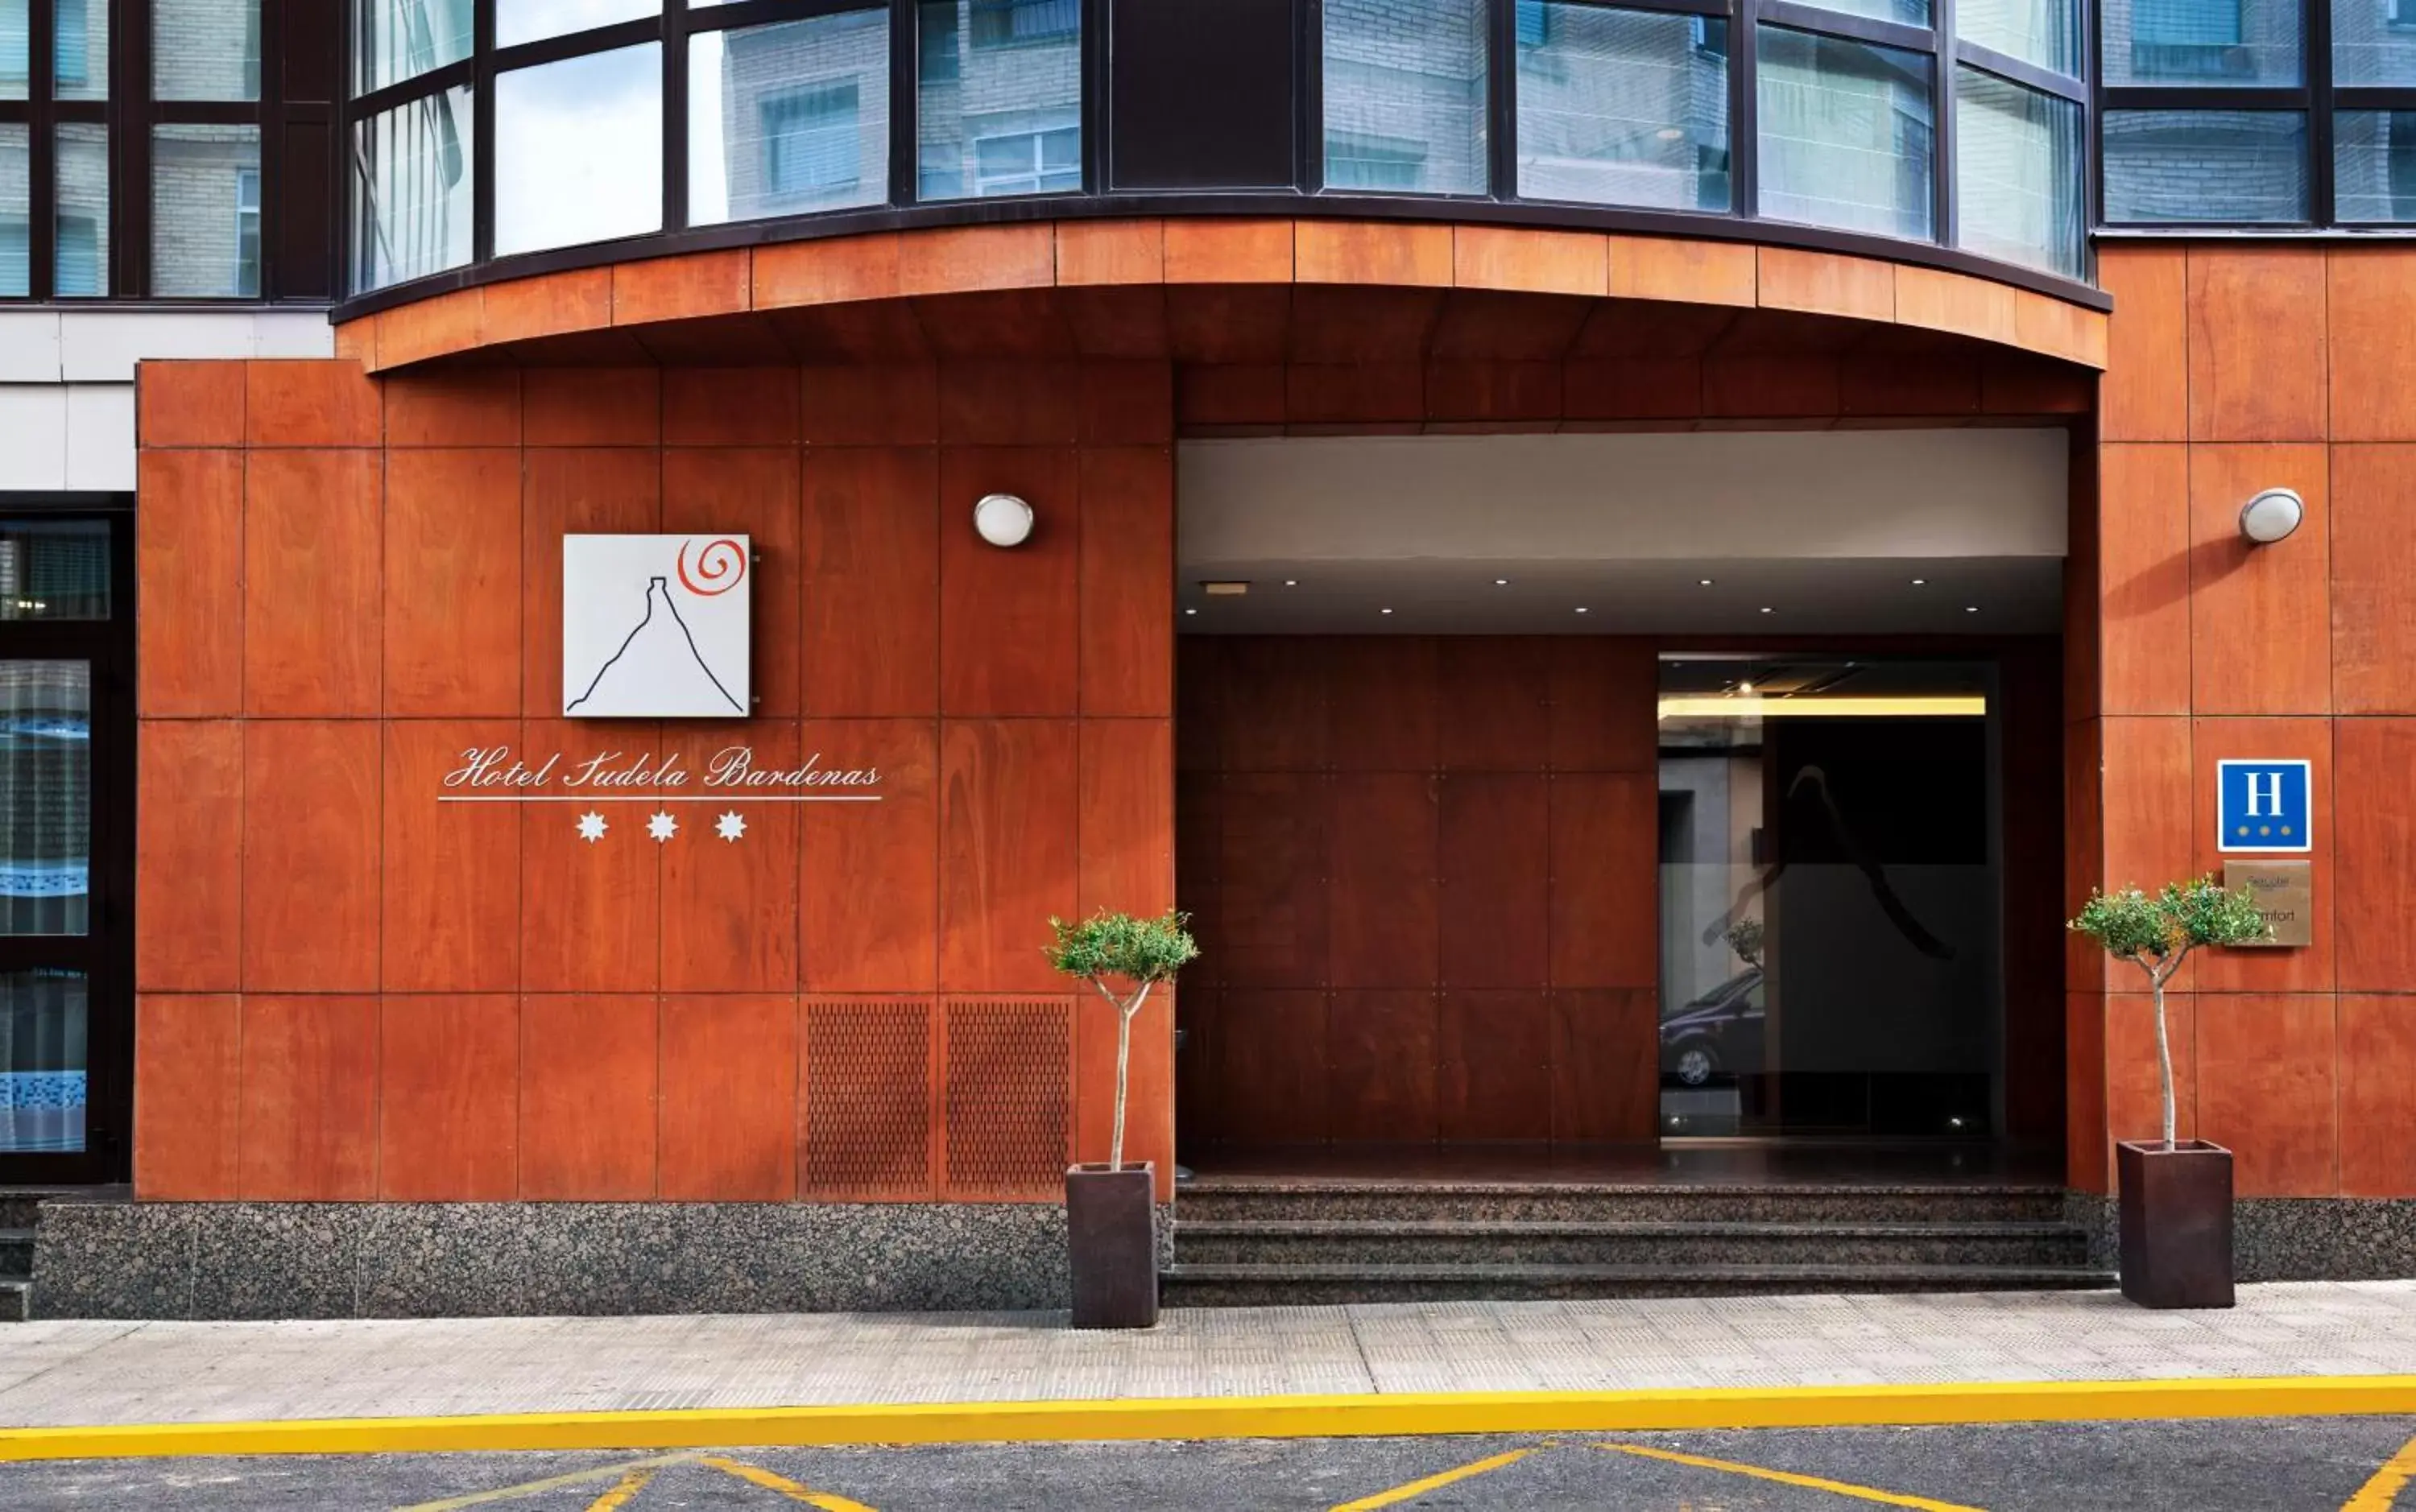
x=2294, y=1465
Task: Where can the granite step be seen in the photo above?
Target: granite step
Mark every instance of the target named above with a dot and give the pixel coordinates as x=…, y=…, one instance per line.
x=16, y=1254
x=1226, y=1200
x=16, y=1300
x=17, y=1209
x=1196, y=1286
x=1695, y=1245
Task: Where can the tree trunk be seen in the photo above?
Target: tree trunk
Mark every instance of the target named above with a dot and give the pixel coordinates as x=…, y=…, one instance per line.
x=1124, y=1014
x=2164, y=1054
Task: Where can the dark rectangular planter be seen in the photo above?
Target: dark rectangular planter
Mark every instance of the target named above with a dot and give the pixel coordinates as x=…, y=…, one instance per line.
x=2176, y=1223
x=1112, y=1239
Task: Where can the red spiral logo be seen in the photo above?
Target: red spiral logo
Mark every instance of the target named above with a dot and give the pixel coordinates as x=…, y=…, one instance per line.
x=720, y=565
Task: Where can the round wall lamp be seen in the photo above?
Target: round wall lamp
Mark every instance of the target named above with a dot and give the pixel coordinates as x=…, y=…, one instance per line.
x=2271, y=516
x=1002, y=520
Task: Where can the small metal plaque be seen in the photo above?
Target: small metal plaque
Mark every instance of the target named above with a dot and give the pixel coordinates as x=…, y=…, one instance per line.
x=2286, y=895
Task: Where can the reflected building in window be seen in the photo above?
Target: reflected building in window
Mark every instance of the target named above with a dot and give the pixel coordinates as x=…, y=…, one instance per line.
x=1622, y=107
x=789, y=119
x=999, y=98
x=1405, y=97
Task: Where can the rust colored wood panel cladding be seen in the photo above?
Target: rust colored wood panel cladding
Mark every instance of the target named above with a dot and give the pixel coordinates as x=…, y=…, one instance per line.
x=1004, y=403
x=1273, y=710
x=189, y=403
x=2135, y=1105
x=1603, y=881
x=2378, y=1060
x=1008, y=807
x=1494, y=1066
x=2258, y=366
x=866, y=1113
x=589, y=1097
x=1496, y=831
x=1198, y=838
x=449, y=1080
x=2259, y=630
x=1126, y=819
x=729, y=876
x=2369, y=304
x=473, y=407
x=189, y=856
x=729, y=1098
x=1497, y=692
x=1006, y=1098
x=310, y=856
x=2145, y=395
x=1542, y=262
x=2142, y=581
x=2212, y=740
x=1196, y=1091
x=2150, y=806
x=1148, y=1112
x=1382, y=712
x=963, y=258
x=188, y=557
x=869, y=890
x=1825, y=283
x=2088, y=1164
x=731, y=406
x=1127, y=403
x=1271, y=1084
x=1383, y=895
x=872, y=404
x=1380, y=1058
x=681, y=288
x=2373, y=520
x=1604, y=710
x=188, y=1075
x=1198, y=698
x=2375, y=867
x=1270, y=888
x=726, y=490
x=450, y=885
x=1111, y=251
x=307, y=1130
x=1126, y=650
x=591, y=910
x=1605, y=1066
x=592, y=407
x=871, y=641
x=567, y=492
x=310, y=403
x=1632, y=388
x=453, y=557
x=313, y=583
x=2266, y=1079
x=1011, y=620
x=1222, y=251
x=549, y=304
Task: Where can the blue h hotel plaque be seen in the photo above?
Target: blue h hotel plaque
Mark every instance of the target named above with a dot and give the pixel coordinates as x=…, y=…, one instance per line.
x=2262, y=806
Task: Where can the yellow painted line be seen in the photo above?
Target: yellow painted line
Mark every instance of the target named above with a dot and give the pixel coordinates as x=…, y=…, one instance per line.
x=550, y=1483
x=623, y=1488
x=757, y=1475
x=1246, y=1417
x=1419, y=1488
x=2381, y=1492
x=1788, y=1477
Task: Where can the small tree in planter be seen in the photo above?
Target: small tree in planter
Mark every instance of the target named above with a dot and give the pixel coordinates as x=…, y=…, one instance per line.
x=2175, y=1198
x=1111, y=1212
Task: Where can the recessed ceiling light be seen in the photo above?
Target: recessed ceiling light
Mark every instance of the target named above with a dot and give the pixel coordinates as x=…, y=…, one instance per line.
x=1766, y=609
x=1919, y=583
x=1291, y=583
x=1191, y=611
x=1745, y=688
x=1581, y=608
x=1702, y=582
x=1501, y=582
x=1383, y=611
x=1970, y=609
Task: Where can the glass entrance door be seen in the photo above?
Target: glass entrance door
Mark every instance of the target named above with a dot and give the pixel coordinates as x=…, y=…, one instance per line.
x=66, y=813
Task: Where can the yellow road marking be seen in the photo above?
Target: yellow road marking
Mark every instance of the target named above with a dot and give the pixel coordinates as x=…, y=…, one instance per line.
x=1419, y=1488
x=1860, y=1493
x=2381, y=1493
x=552, y=1483
x=756, y=1474
x=618, y=1497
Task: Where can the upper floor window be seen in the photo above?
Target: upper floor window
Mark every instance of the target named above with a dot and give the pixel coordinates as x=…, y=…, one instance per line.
x=999, y=103
x=1406, y=104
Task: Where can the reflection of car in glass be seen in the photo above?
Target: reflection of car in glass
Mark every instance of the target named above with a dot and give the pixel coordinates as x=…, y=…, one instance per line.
x=1717, y=1034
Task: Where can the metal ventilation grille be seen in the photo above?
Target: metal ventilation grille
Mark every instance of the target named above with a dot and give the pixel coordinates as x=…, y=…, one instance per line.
x=868, y=1098
x=1009, y=1100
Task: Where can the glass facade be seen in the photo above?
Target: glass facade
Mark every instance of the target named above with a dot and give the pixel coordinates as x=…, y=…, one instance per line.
x=2177, y=167
x=532, y=20
x=2017, y=173
x=1405, y=97
x=2043, y=32
x=1846, y=132
x=2196, y=43
x=399, y=39
x=205, y=211
x=2374, y=166
x=80, y=229
x=578, y=150
x=1624, y=107
x=789, y=119
x=411, y=190
x=205, y=49
x=997, y=99
x=16, y=210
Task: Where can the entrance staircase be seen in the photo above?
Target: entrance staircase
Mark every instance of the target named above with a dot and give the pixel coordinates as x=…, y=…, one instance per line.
x=1240, y=1242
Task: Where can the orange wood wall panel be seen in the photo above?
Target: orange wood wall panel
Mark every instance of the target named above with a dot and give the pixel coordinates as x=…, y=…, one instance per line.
x=2258, y=363
x=1494, y=1058
x=588, y=1095
x=2373, y=587
x=189, y=403
x=591, y=911
x=591, y=406
x=1381, y=1060
x=1271, y=1079
x=1605, y=1076
x=2150, y=828
x=871, y=637
x=448, y=1083
x=2086, y=1161
x=469, y=407
x=449, y=886
x=1127, y=864
x=730, y=919
x=1382, y=708
x=565, y=491
x=2368, y=302
x=757, y=491
x=187, y=1077
x=2145, y=394
x=1273, y=705
x=2142, y=587
x=189, y=856
x=1499, y=694
x=1604, y=698
x=1010, y=618
x=729, y=1098
x=308, y=1125
x=1604, y=850
x=188, y=557
x=1272, y=909
x=2374, y=888
x=731, y=406
x=310, y=855
x=2266, y=1072
x=2259, y=630
x=1127, y=581
x=872, y=404
x=305, y=403
x=1383, y=860
x=2134, y=1101
x=313, y=583
x=452, y=596
x=2378, y=1058
x=870, y=880
x=1495, y=929
x=1008, y=803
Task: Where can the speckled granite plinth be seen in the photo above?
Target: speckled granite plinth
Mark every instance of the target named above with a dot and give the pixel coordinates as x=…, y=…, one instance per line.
x=2288, y=1238
x=399, y=1260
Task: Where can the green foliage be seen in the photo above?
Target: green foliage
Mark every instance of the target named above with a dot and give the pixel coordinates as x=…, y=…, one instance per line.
x=2156, y=931
x=1141, y=950
x=1744, y=938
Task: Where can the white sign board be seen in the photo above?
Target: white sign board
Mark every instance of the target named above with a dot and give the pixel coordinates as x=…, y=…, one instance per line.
x=655, y=627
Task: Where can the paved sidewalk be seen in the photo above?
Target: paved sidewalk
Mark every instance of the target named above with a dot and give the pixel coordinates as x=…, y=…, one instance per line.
x=101, y=1373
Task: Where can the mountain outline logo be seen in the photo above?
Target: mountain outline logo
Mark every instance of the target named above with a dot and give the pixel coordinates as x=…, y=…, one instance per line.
x=656, y=626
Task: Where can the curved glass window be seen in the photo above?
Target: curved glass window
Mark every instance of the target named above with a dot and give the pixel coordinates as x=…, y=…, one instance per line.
x=2017, y=173
x=2374, y=166
x=2044, y=32
x=999, y=98
x=1846, y=134
x=2374, y=45
x=204, y=49
x=788, y=119
x=578, y=150
x=2205, y=166
x=530, y=21
x=411, y=190
x=2201, y=43
x=1405, y=95
x=398, y=39
x=1624, y=107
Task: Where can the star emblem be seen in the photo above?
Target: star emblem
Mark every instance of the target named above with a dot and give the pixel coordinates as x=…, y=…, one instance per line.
x=731, y=826
x=592, y=826
x=662, y=827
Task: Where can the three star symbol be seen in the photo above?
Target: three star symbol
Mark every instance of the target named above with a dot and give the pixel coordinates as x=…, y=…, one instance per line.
x=661, y=826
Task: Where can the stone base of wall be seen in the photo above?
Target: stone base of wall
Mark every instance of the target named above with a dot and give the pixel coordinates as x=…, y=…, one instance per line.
x=414, y=1260
x=2288, y=1238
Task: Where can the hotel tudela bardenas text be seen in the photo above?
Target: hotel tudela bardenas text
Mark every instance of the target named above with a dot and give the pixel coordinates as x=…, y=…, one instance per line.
x=730, y=770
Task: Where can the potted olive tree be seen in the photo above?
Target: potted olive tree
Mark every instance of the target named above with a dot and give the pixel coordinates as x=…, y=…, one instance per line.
x=1111, y=1211
x=2175, y=1197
